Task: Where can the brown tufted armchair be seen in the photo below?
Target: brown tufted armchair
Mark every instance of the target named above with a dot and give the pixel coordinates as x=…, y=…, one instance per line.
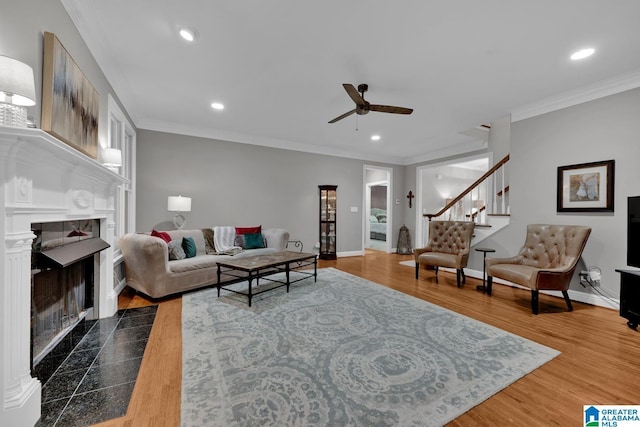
x=547, y=260
x=449, y=245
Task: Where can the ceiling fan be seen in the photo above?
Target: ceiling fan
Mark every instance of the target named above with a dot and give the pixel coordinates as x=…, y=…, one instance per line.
x=363, y=107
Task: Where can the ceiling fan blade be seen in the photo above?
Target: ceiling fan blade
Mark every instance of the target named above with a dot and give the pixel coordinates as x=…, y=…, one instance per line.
x=347, y=114
x=390, y=109
x=353, y=93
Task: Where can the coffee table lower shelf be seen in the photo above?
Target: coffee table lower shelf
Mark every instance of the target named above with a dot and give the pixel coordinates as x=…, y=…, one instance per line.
x=261, y=266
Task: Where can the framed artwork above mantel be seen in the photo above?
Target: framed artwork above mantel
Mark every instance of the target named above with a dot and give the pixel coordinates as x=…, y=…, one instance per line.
x=586, y=187
x=70, y=103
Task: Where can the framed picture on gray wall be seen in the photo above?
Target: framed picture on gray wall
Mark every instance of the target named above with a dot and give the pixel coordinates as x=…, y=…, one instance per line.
x=69, y=102
x=586, y=187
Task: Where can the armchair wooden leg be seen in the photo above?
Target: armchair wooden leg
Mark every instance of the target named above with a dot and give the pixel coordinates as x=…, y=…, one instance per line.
x=489, y=283
x=417, y=269
x=565, y=294
x=436, y=269
x=534, y=302
x=464, y=276
x=458, y=274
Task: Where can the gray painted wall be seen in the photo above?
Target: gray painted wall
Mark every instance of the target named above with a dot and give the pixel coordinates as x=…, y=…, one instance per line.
x=603, y=129
x=22, y=27
x=243, y=185
x=500, y=138
x=379, y=197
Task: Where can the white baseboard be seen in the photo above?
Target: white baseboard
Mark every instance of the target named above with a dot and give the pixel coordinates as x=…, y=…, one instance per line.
x=584, y=297
x=350, y=253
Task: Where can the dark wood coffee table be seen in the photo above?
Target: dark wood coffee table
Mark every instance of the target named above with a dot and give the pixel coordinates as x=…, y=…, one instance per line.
x=261, y=266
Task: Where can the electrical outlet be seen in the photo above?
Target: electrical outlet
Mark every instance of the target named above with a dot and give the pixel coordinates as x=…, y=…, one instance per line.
x=590, y=278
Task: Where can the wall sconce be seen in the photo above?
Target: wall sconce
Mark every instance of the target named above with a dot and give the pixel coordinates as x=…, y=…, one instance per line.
x=179, y=204
x=112, y=159
x=17, y=91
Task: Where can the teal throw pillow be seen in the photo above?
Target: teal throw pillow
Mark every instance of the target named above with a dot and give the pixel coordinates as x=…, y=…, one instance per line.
x=253, y=241
x=189, y=246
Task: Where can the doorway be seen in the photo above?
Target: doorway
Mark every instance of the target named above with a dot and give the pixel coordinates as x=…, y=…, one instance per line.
x=377, y=214
x=438, y=182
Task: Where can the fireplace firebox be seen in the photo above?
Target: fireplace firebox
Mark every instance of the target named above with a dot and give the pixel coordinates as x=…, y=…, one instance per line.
x=62, y=280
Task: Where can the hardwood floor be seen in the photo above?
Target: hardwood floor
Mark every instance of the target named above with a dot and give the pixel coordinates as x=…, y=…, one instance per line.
x=599, y=364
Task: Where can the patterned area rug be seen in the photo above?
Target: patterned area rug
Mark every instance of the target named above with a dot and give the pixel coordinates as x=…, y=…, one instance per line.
x=340, y=352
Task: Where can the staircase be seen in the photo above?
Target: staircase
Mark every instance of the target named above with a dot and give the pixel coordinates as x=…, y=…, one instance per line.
x=486, y=202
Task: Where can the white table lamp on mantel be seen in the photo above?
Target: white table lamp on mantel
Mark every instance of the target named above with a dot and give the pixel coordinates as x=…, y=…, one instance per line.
x=17, y=91
x=179, y=204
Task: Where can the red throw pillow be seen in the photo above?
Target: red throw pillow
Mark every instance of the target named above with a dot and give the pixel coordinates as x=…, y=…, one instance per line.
x=249, y=230
x=161, y=234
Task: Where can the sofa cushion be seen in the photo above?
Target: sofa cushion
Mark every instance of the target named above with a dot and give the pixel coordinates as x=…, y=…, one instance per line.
x=189, y=246
x=161, y=234
x=196, y=263
x=175, y=250
x=254, y=252
x=253, y=241
x=249, y=230
x=195, y=234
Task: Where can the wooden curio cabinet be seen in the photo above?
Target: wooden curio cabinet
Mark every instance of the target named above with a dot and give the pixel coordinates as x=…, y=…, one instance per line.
x=328, y=199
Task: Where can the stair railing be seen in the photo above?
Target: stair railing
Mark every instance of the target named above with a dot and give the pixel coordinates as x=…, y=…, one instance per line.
x=491, y=189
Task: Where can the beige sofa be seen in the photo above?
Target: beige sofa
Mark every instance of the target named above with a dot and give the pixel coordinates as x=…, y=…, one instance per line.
x=149, y=270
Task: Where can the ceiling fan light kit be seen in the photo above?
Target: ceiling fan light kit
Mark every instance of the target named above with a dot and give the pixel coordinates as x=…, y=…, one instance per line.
x=363, y=107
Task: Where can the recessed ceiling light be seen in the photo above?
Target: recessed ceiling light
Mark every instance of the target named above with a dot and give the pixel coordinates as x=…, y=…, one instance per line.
x=582, y=53
x=375, y=137
x=188, y=34
x=217, y=106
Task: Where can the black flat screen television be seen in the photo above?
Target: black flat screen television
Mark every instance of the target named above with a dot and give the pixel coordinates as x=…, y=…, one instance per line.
x=633, y=232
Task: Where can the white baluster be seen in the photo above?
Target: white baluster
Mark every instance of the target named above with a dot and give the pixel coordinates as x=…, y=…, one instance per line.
x=508, y=211
x=502, y=207
x=494, y=195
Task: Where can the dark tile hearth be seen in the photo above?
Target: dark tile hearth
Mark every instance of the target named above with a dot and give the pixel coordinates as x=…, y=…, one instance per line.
x=89, y=376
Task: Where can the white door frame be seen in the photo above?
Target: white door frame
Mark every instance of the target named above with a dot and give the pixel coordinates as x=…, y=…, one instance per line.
x=421, y=227
x=367, y=206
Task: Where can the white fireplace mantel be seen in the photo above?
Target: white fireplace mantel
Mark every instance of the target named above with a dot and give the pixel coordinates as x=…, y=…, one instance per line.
x=42, y=180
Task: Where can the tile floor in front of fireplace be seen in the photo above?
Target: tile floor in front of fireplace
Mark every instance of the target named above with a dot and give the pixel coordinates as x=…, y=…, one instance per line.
x=89, y=376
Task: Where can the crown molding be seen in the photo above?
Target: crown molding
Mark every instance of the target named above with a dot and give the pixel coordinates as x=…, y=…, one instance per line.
x=620, y=83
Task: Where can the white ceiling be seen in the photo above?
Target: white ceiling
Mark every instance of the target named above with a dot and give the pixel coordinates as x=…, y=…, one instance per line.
x=278, y=66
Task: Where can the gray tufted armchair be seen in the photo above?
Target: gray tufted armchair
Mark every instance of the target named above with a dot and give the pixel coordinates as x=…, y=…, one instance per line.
x=547, y=260
x=449, y=245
